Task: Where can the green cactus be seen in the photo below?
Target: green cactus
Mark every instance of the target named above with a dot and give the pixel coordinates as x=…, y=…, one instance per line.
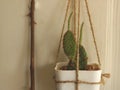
x=82, y=53
x=82, y=58
x=69, y=44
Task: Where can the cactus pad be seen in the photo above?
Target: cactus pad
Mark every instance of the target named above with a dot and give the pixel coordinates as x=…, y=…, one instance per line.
x=69, y=45
x=82, y=58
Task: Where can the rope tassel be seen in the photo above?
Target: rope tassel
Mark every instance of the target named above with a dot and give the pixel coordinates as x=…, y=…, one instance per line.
x=105, y=75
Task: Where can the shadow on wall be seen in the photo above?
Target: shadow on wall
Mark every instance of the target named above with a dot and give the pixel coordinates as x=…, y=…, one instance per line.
x=47, y=38
x=45, y=78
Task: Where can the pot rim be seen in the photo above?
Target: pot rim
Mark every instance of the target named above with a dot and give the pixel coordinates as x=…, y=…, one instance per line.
x=57, y=69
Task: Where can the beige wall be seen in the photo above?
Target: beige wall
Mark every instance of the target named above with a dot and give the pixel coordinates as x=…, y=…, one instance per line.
x=13, y=44
x=14, y=40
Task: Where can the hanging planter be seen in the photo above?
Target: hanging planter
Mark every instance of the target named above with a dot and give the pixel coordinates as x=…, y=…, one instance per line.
x=77, y=74
x=89, y=76
x=66, y=79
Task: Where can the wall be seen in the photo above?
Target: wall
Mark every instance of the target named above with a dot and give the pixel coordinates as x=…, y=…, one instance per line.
x=14, y=41
x=14, y=44
x=113, y=44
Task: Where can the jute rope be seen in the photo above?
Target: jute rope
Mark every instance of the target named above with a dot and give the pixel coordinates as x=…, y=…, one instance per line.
x=92, y=30
x=63, y=28
x=76, y=33
x=106, y=75
x=91, y=24
x=78, y=36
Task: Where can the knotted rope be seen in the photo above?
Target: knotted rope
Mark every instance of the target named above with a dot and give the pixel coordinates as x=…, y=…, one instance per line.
x=106, y=75
x=76, y=33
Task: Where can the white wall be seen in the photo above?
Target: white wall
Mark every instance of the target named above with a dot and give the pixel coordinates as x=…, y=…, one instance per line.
x=113, y=45
x=14, y=40
x=14, y=44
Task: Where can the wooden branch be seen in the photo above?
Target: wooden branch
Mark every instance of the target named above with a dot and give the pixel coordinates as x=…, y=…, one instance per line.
x=32, y=64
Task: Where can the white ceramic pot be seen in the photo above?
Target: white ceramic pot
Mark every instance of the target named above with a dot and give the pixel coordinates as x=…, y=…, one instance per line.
x=70, y=75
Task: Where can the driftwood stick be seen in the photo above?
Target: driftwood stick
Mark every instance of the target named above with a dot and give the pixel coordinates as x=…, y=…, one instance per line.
x=32, y=63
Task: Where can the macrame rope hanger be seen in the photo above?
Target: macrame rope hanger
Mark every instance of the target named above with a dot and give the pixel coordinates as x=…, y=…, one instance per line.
x=76, y=32
x=77, y=35
x=77, y=39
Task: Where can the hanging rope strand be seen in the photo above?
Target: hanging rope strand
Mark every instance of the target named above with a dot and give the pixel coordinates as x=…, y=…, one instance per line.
x=78, y=35
x=92, y=29
x=66, y=14
x=75, y=33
